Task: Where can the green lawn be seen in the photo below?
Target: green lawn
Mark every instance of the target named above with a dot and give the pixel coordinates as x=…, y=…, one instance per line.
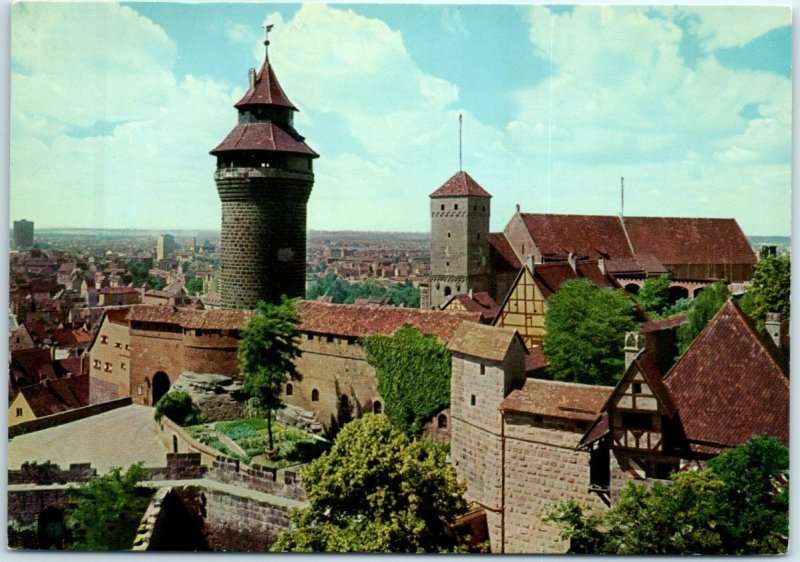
x=293, y=445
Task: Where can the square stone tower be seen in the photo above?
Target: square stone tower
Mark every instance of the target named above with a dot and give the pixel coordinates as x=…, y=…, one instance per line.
x=460, y=212
x=264, y=178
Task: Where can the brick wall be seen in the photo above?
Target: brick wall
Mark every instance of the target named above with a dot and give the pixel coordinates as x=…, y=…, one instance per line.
x=153, y=352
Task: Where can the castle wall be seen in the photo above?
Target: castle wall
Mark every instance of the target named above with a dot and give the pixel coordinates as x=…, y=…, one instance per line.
x=110, y=363
x=153, y=352
x=211, y=352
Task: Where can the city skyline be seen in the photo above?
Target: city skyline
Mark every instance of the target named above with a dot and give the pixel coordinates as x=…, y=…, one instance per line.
x=691, y=105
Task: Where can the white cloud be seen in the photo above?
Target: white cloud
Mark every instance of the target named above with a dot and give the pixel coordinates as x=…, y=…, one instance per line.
x=453, y=22
x=731, y=26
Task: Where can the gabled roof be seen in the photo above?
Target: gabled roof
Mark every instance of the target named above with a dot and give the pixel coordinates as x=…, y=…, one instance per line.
x=266, y=90
x=557, y=399
x=732, y=383
x=57, y=395
x=460, y=184
x=645, y=365
x=535, y=360
x=34, y=363
x=257, y=137
x=485, y=342
x=550, y=276
x=501, y=255
x=690, y=240
x=588, y=236
x=479, y=302
x=355, y=321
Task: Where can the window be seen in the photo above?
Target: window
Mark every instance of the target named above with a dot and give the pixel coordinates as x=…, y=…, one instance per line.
x=127, y=347
x=122, y=366
x=483, y=369
x=108, y=368
x=103, y=339
x=455, y=207
x=309, y=337
x=447, y=263
x=19, y=412
x=441, y=421
x=329, y=339
x=448, y=235
x=118, y=345
x=637, y=388
x=315, y=395
x=377, y=407
x=289, y=389
x=442, y=207
x=474, y=207
x=139, y=390
x=96, y=363
x=478, y=236
x=472, y=400
x=637, y=421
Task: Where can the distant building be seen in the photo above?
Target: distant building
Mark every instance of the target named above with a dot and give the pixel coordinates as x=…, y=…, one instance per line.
x=23, y=234
x=165, y=246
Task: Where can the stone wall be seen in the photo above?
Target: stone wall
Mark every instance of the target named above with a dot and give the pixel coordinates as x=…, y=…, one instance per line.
x=520, y=239
x=237, y=523
x=279, y=482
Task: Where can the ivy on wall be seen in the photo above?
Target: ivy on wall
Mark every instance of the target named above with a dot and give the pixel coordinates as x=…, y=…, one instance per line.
x=413, y=371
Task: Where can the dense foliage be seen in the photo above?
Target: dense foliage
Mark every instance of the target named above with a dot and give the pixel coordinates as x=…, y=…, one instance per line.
x=141, y=275
x=178, y=407
x=105, y=513
x=770, y=289
x=342, y=292
x=377, y=490
x=704, y=308
x=413, y=371
x=585, y=331
x=730, y=507
x=194, y=286
x=653, y=297
x=267, y=349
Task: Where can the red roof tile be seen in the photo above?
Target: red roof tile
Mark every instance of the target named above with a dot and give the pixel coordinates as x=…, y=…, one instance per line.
x=354, y=321
x=501, y=254
x=71, y=336
x=35, y=363
x=485, y=342
x=262, y=137
x=266, y=90
x=731, y=384
x=690, y=240
x=557, y=399
x=587, y=236
x=191, y=318
x=57, y=395
x=535, y=360
x=479, y=302
x=665, y=324
x=118, y=290
x=460, y=185
x=550, y=276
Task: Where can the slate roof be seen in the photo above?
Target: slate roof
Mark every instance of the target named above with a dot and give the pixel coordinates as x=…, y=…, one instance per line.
x=266, y=90
x=480, y=302
x=731, y=384
x=354, y=321
x=249, y=137
x=485, y=342
x=501, y=255
x=690, y=240
x=557, y=399
x=460, y=184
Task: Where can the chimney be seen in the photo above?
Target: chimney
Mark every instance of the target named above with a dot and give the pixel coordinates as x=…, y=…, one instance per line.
x=773, y=326
x=571, y=260
x=601, y=263
x=529, y=262
x=634, y=342
x=251, y=74
x=470, y=293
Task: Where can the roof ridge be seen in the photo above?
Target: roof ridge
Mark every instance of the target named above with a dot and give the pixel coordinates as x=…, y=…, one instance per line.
x=567, y=383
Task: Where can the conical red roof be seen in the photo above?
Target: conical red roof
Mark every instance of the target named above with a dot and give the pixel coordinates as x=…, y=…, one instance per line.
x=461, y=185
x=266, y=90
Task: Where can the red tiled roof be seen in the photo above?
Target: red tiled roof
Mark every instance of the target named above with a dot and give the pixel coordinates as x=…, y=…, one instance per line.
x=57, y=395
x=35, y=363
x=651, y=265
x=262, y=137
x=731, y=384
x=460, y=184
x=485, y=342
x=665, y=324
x=588, y=236
x=354, y=321
x=550, y=276
x=535, y=360
x=118, y=290
x=557, y=399
x=266, y=90
x=591, y=270
x=191, y=318
x=597, y=430
x=501, y=254
x=71, y=336
x=480, y=302
x=690, y=240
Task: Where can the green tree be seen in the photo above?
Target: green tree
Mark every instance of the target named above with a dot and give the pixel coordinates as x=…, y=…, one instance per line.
x=377, y=490
x=705, y=307
x=770, y=289
x=268, y=347
x=653, y=297
x=728, y=508
x=413, y=371
x=194, y=286
x=178, y=407
x=585, y=331
x=105, y=513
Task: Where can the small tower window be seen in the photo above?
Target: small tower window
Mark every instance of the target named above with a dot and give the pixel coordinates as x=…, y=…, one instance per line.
x=448, y=235
x=472, y=400
x=447, y=290
x=289, y=389
x=442, y=207
x=447, y=263
x=474, y=207
x=455, y=207
x=478, y=236
x=483, y=369
x=441, y=421
x=315, y=395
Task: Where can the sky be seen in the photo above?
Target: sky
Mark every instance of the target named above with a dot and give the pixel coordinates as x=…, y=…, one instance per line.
x=114, y=108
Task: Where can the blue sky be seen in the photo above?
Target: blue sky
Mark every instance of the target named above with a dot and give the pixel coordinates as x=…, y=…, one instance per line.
x=115, y=107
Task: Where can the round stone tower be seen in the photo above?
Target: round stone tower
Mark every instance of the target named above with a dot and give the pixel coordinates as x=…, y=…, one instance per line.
x=264, y=177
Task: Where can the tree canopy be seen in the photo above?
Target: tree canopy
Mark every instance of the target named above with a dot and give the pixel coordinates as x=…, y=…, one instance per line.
x=178, y=407
x=268, y=347
x=732, y=507
x=413, y=371
x=585, y=331
x=653, y=297
x=704, y=308
x=343, y=292
x=377, y=490
x=770, y=289
x=105, y=513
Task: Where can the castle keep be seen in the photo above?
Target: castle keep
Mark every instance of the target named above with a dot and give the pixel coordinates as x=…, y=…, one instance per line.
x=264, y=177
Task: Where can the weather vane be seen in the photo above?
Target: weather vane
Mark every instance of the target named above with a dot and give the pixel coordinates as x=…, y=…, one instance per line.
x=267, y=29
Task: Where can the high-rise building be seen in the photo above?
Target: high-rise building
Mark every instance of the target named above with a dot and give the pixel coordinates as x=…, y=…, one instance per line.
x=165, y=245
x=460, y=211
x=23, y=234
x=264, y=178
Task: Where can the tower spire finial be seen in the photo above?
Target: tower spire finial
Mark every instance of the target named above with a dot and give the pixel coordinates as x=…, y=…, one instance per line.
x=267, y=29
x=460, y=127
